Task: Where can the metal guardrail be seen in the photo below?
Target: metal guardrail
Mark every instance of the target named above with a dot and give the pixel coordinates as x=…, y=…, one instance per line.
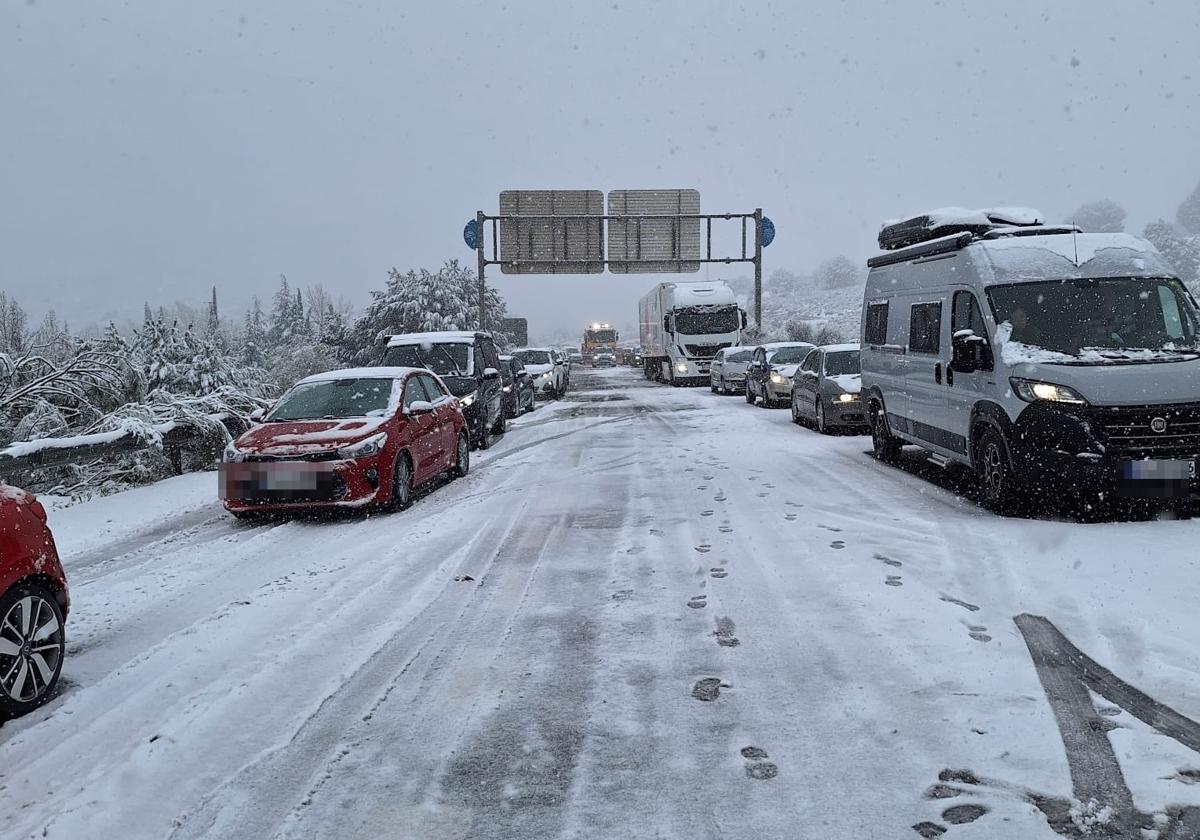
x=20, y=467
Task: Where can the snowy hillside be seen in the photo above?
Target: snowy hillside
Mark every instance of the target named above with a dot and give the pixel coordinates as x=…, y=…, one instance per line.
x=788, y=298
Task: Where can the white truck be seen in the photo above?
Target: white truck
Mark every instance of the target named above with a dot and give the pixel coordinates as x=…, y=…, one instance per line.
x=683, y=325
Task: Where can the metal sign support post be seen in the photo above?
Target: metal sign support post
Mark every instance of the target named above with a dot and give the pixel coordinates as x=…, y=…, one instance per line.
x=482, y=262
x=758, y=246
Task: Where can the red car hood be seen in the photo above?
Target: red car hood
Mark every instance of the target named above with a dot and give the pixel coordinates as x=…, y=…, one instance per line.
x=305, y=437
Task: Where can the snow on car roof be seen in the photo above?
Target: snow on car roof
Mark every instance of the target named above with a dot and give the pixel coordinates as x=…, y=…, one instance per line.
x=1062, y=256
x=540, y=349
x=360, y=373
x=840, y=348
x=448, y=337
x=777, y=345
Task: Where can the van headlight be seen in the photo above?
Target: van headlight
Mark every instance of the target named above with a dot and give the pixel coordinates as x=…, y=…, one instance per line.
x=232, y=455
x=681, y=367
x=468, y=400
x=366, y=448
x=845, y=398
x=777, y=378
x=1032, y=390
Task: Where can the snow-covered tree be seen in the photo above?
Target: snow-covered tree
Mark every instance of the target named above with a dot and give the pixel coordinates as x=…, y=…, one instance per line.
x=14, y=326
x=1188, y=214
x=1183, y=253
x=1102, y=216
x=213, y=322
x=254, y=336
x=837, y=273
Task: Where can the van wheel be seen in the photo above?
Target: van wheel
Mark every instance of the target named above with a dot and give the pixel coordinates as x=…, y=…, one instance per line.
x=887, y=447
x=712, y=386
x=501, y=425
x=997, y=478
x=795, y=411
x=32, y=644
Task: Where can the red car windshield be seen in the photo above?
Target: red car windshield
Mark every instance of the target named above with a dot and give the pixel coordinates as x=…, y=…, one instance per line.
x=334, y=399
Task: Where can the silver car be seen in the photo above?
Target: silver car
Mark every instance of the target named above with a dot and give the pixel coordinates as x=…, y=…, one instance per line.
x=727, y=375
x=825, y=390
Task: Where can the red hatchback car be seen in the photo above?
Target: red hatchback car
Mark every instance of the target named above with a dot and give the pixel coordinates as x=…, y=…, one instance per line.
x=347, y=438
x=34, y=601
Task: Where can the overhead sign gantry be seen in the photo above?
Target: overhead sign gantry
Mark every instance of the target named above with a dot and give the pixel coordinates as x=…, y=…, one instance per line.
x=646, y=232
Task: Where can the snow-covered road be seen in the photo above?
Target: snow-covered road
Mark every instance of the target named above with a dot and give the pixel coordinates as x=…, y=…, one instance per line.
x=689, y=618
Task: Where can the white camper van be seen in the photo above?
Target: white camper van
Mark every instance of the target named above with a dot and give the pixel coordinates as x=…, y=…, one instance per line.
x=683, y=325
x=1044, y=358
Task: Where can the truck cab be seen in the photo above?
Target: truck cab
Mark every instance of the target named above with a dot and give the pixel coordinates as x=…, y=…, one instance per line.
x=684, y=325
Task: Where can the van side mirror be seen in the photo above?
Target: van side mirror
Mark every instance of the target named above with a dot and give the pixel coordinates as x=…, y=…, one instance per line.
x=967, y=351
x=419, y=407
x=491, y=373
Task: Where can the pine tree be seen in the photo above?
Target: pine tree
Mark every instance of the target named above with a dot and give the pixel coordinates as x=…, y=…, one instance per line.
x=213, y=326
x=147, y=315
x=254, y=340
x=1181, y=253
x=1188, y=214
x=282, y=310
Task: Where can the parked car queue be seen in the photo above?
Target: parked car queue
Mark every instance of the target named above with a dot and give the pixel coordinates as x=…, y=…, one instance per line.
x=821, y=385
x=370, y=437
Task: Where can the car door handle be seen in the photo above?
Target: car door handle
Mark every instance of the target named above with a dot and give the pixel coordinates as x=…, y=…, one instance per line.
x=937, y=373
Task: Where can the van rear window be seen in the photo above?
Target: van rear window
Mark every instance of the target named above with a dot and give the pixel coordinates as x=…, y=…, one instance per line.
x=876, y=328
x=925, y=328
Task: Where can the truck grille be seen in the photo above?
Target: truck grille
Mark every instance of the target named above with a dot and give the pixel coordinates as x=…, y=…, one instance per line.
x=703, y=351
x=1151, y=431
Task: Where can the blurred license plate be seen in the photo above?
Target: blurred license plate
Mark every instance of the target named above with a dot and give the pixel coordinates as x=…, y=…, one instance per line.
x=1160, y=470
x=273, y=481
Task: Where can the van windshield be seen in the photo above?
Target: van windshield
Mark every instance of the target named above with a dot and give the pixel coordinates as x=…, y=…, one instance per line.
x=1111, y=320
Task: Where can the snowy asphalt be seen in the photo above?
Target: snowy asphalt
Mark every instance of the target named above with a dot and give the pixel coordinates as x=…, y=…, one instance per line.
x=688, y=619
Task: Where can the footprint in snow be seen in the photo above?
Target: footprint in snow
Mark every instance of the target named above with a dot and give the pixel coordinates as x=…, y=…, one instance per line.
x=707, y=689
x=829, y=528
x=719, y=498
x=706, y=513
x=724, y=633
x=709, y=477
x=762, y=495
x=958, y=602
x=954, y=814
x=704, y=548
x=756, y=766
x=794, y=504
x=979, y=633
x=889, y=560
x=838, y=544
x=718, y=572
x=725, y=529
x=702, y=487
x=894, y=580
x=622, y=595
x=698, y=602
x=654, y=532
x=790, y=517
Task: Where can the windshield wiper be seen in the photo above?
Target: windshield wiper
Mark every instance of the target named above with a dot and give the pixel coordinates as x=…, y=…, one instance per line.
x=455, y=371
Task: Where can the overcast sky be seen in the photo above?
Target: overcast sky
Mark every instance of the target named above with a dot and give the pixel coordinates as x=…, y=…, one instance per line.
x=152, y=148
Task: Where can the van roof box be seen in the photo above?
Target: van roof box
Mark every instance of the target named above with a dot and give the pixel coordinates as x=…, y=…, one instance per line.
x=947, y=221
